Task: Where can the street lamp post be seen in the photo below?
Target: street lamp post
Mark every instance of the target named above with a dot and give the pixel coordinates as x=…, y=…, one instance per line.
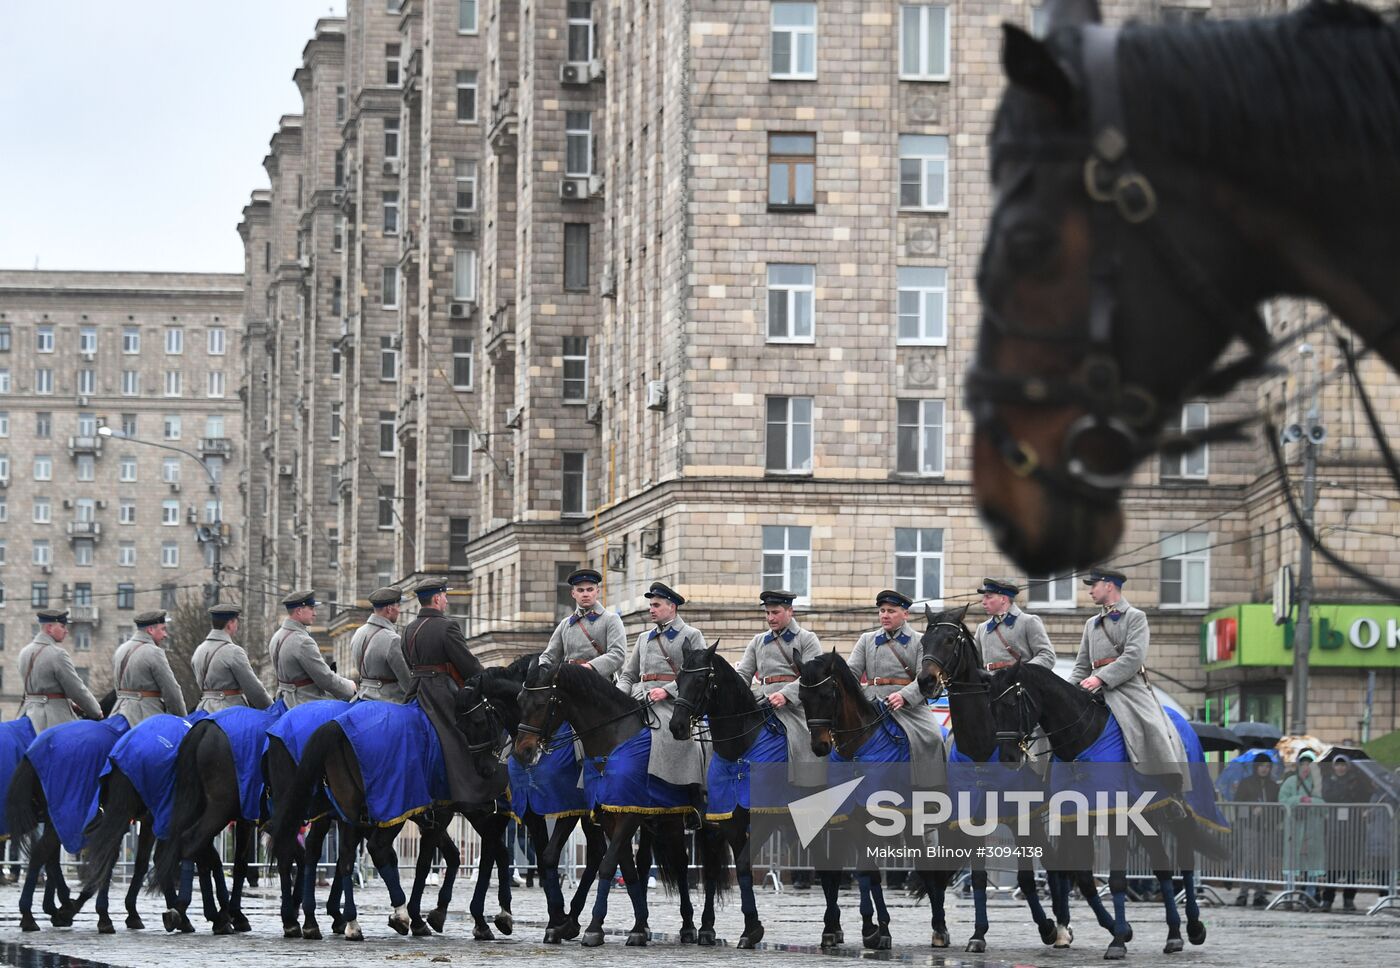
x=216, y=536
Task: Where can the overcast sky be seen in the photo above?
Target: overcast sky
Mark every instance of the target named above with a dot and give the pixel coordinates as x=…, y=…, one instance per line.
x=131, y=133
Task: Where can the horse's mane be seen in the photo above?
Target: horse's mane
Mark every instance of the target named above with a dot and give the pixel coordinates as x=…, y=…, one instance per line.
x=516, y=671
x=585, y=683
x=1275, y=99
x=831, y=664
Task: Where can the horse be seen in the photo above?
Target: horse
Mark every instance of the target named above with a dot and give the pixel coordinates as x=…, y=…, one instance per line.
x=1152, y=185
x=604, y=719
x=844, y=724
x=1073, y=720
x=738, y=726
x=951, y=663
x=487, y=713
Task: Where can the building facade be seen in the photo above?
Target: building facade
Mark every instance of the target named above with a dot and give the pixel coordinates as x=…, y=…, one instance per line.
x=120, y=428
x=686, y=291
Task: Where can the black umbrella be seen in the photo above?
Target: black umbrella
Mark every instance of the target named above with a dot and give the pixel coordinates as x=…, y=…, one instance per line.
x=1215, y=738
x=1257, y=735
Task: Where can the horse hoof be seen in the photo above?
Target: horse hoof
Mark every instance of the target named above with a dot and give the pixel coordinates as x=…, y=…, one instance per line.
x=353, y=932
x=1172, y=946
x=551, y=935
x=1117, y=951
x=638, y=939
x=62, y=918
x=940, y=939
x=689, y=935
x=1048, y=932
x=1065, y=936
x=310, y=930
x=222, y=926
x=976, y=946
x=240, y=923
x=870, y=937
x=830, y=939
x=592, y=938
x=1196, y=932
x=482, y=933
x=182, y=923
x=504, y=921
x=105, y=926
x=288, y=930
x=399, y=924
x=420, y=929
x=752, y=935
x=134, y=923
x=437, y=919
x=27, y=922
x=337, y=926
x=571, y=929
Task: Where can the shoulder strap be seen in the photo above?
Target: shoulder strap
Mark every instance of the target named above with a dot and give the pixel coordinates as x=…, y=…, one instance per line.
x=584, y=629
x=121, y=673
x=1014, y=653
x=895, y=652
x=30, y=668
x=778, y=641
x=664, y=654
x=209, y=664
x=412, y=638
x=280, y=638
x=364, y=648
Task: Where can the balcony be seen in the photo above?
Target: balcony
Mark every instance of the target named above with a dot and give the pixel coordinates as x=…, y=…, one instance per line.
x=500, y=329
x=505, y=122
x=215, y=446
x=83, y=614
x=84, y=529
x=84, y=445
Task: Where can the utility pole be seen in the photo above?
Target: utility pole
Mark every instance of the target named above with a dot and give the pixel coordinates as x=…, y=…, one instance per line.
x=1312, y=435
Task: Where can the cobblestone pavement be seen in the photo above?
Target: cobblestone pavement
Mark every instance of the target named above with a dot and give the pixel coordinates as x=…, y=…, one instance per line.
x=1238, y=937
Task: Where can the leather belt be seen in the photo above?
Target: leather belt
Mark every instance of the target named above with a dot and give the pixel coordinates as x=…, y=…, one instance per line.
x=658, y=677
x=892, y=682
x=769, y=680
x=220, y=693
x=138, y=693
x=579, y=661
x=424, y=671
x=294, y=683
x=1100, y=663
x=994, y=666
x=45, y=695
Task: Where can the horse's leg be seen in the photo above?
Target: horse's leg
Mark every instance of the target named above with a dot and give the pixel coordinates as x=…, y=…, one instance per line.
x=832, y=935
x=242, y=837
x=215, y=891
x=498, y=824
x=145, y=843
x=736, y=828
x=676, y=850
x=869, y=933
x=386, y=863
x=635, y=880
x=607, y=869
x=343, y=880
x=1173, y=916
x=31, y=881
x=452, y=862
x=485, y=866
x=1060, y=886
x=936, y=889
x=978, y=941
x=335, y=894
x=289, y=875
x=595, y=845
x=311, y=862
x=1195, y=927
x=548, y=847
x=1118, y=887
x=428, y=836
x=1025, y=880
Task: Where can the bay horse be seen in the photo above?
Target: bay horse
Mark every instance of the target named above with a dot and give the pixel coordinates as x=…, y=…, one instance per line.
x=487, y=713
x=602, y=717
x=1153, y=185
x=1073, y=720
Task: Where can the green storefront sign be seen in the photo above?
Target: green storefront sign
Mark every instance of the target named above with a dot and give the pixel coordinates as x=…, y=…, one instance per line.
x=1343, y=637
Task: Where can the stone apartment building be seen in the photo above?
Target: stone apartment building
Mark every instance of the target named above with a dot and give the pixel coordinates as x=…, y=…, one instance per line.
x=686, y=291
x=117, y=389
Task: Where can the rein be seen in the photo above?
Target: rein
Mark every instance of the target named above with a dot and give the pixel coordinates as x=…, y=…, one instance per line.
x=559, y=740
x=701, y=712
x=946, y=677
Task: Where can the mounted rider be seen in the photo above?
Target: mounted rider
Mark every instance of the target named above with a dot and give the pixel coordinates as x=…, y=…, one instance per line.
x=141, y=673
x=53, y=691
x=302, y=672
x=221, y=668
x=650, y=673
x=769, y=661
x=376, y=651
x=591, y=636
x=1010, y=635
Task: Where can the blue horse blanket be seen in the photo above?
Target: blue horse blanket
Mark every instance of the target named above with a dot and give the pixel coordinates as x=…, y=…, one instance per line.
x=295, y=726
x=619, y=782
x=1201, y=798
x=727, y=782
x=15, y=737
x=400, y=759
x=146, y=756
x=550, y=788
x=246, y=729
x=68, y=759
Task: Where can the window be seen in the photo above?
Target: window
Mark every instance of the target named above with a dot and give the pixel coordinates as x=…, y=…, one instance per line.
x=39, y=594
x=131, y=383
x=4, y=467
x=87, y=425
x=466, y=186
x=87, y=339
x=216, y=341
x=126, y=511
x=464, y=275
x=391, y=213
x=335, y=421
x=338, y=170
x=386, y=507
x=4, y=509
x=791, y=292
x=576, y=256
x=391, y=139
x=920, y=437
x=216, y=384
x=126, y=595
x=43, y=381
x=578, y=143
x=923, y=43
x=87, y=383
x=333, y=478
x=335, y=359
x=43, y=339
x=389, y=288
x=794, y=44
x=172, y=426
x=174, y=381
x=922, y=306
x=126, y=470
x=466, y=16
x=792, y=171
x=1186, y=570
x=575, y=481
x=787, y=559
x=170, y=470
x=458, y=536
x=174, y=340
x=918, y=563
x=340, y=102
x=1057, y=591
x=169, y=555
x=392, y=60
x=43, y=552
x=337, y=294
x=43, y=468
x=86, y=467
x=167, y=596
x=789, y=435
x=575, y=369
x=333, y=548
x=128, y=425
x=466, y=97
x=386, y=433
x=131, y=340
x=4, y=339
x=461, y=453
x=82, y=552
x=213, y=512
x=388, y=359
x=338, y=234
x=1195, y=463
x=4, y=424
x=5, y=380
x=169, y=513
x=580, y=36
x=923, y=172
x=462, y=362
x=2, y=551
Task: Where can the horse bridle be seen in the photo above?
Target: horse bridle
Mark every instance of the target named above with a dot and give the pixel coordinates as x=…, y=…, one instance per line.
x=946, y=676
x=830, y=724
x=1125, y=200
x=702, y=712
x=552, y=743
x=493, y=718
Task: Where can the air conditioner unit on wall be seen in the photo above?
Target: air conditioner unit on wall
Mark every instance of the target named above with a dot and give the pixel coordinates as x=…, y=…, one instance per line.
x=656, y=394
x=284, y=470
x=607, y=283
x=595, y=412
x=595, y=69
x=617, y=558
x=460, y=310
x=651, y=542
x=463, y=225
x=595, y=185
x=574, y=73
x=391, y=166
x=513, y=417
x=573, y=189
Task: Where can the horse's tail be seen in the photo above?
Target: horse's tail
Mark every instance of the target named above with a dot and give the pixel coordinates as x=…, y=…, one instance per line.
x=716, y=862
x=184, y=811
x=293, y=805
x=121, y=804
x=22, y=813
x=1203, y=839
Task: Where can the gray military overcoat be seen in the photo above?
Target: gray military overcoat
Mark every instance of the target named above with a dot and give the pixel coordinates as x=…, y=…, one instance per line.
x=651, y=664
x=891, y=664
x=145, y=684
x=769, y=656
x=1016, y=637
x=596, y=637
x=301, y=670
x=53, y=692
x=225, y=676
x=379, y=661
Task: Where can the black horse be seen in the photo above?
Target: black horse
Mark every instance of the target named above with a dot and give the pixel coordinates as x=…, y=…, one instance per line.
x=1153, y=185
x=1073, y=719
